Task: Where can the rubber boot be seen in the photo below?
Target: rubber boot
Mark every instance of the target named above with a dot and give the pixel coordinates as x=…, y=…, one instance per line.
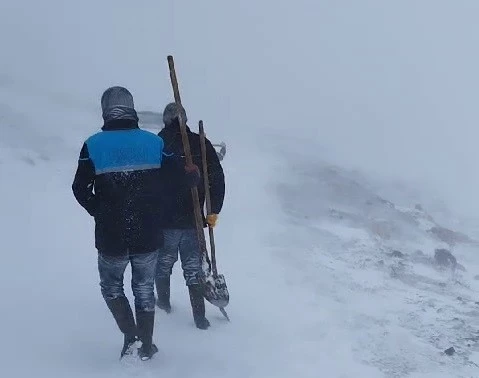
x=198, y=306
x=128, y=343
x=163, y=292
x=121, y=311
x=146, y=322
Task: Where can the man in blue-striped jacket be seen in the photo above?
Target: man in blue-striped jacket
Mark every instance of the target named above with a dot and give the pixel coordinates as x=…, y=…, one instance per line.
x=119, y=181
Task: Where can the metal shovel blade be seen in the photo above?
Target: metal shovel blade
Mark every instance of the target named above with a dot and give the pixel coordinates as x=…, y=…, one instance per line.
x=215, y=290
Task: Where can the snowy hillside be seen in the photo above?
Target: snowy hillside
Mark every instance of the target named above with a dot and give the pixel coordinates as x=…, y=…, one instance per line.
x=403, y=298
x=324, y=274
x=352, y=157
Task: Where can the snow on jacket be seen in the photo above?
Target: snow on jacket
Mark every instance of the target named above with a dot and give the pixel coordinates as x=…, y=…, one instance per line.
x=179, y=211
x=120, y=182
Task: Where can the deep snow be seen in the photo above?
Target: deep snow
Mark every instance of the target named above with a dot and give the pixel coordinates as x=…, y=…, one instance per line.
x=307, y=259
x=67, y=330
x=331, y=270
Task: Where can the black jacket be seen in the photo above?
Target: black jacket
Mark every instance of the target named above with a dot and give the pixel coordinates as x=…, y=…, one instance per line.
x=119, y=181
x=179, y=212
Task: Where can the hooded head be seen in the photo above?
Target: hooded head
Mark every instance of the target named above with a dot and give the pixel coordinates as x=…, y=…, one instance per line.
x=117, y=103
x=171, y=113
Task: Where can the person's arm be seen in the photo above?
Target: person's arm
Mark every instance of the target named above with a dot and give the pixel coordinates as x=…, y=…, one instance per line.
x=84, y=180
x=216, y=179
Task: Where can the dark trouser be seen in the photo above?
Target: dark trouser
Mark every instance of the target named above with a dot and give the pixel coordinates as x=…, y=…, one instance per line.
x=184, y=241
x=112, y=271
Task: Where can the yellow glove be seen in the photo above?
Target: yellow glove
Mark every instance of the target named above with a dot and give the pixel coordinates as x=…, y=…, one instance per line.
x=211, y=219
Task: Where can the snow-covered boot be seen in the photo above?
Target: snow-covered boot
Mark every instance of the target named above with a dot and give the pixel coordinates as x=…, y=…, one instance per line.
x=146, y=353
x=198, y=306
x=128, y=344
x=121, y=311
x=146, y=322
x=163, y=292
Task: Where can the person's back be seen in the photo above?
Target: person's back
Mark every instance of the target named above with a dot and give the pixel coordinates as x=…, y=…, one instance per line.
x=181, y=215
x=126, y=162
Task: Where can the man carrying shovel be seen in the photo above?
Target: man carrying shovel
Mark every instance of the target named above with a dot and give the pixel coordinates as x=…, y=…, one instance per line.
x=180, y=233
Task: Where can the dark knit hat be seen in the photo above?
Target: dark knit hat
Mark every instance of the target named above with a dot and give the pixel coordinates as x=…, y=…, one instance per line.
x=117, y=103
x=171, y=113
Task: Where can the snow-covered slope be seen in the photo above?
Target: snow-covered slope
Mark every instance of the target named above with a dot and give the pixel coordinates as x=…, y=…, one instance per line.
x=56, y=321
x=326, y=277
x=404, y=299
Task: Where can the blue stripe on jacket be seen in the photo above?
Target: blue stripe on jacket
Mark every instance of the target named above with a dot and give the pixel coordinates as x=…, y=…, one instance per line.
x=125, y=150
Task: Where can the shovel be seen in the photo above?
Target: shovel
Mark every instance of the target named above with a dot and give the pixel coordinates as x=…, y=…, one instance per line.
x=216, y=291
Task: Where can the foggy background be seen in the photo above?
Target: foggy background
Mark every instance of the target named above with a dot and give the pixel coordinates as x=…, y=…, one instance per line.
x=385, y=86
x=302, y=92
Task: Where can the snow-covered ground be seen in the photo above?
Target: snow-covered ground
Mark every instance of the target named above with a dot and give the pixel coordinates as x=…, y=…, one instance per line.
x=57, y=325
x=332, y=271
x=400, y=303
x=308, y=253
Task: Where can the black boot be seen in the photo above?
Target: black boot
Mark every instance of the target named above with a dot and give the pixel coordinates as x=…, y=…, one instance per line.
x=163, y=292
x=128, y=342
x=198, y=306
x=121, y=311
x=146, y=322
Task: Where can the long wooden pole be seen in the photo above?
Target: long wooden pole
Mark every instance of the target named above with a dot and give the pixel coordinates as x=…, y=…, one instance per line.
x=206, y=182
x=189, y=159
